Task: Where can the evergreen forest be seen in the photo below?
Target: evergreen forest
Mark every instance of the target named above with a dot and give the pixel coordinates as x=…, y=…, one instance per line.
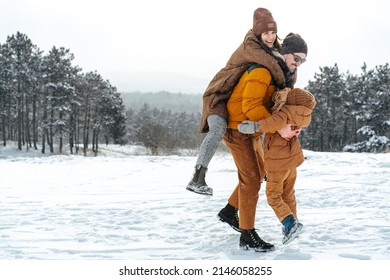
x=49, y=104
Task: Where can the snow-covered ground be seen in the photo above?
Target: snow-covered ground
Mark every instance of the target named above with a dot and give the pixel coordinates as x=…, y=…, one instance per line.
x=126, y=205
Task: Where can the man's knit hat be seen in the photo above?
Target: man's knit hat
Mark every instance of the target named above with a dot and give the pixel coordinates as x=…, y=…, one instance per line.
x=301, y=97
x=293, y=43
x=263, y=21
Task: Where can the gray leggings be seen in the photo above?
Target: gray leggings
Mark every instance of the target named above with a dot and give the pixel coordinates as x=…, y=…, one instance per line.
x=217, y=128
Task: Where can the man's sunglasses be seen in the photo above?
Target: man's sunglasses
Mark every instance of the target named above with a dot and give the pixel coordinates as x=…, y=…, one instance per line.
x=297, y=58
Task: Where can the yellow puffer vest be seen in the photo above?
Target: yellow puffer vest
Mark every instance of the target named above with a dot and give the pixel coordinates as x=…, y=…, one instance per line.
x=252, y=97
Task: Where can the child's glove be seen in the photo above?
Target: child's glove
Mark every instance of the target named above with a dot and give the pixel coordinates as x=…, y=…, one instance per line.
x=279, y=98
x=248, y=127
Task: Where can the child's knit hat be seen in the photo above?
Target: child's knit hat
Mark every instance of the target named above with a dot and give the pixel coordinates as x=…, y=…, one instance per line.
x=301, y=97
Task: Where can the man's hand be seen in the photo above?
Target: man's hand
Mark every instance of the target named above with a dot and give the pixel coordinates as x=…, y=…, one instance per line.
x=289, y=131
x=248, y=127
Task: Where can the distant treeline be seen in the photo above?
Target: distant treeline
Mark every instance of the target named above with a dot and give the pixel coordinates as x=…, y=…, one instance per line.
x=175, y=102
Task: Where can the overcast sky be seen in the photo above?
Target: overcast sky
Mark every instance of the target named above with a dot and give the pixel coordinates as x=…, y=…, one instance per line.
x=179, y=45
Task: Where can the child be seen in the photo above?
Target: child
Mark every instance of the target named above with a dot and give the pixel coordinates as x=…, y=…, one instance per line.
x=283, y=154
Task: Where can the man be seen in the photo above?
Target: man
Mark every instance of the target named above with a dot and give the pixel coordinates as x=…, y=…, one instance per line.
x=214, y=114
x=252, y=100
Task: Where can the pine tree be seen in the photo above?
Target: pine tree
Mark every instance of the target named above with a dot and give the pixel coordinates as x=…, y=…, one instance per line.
x=328, y=89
